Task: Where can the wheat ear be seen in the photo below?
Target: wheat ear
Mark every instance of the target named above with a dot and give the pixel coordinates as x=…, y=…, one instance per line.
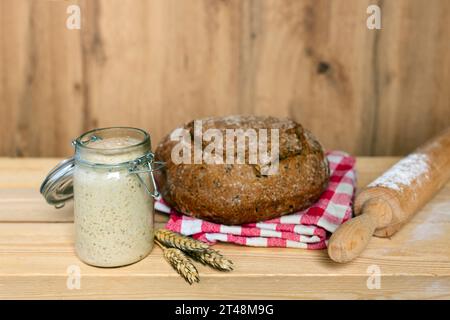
x=212, y=258
x=181, y=263
x=176, y=240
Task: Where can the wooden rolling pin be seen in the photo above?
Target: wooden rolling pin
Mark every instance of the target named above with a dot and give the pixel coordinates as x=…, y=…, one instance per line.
x=387, y=203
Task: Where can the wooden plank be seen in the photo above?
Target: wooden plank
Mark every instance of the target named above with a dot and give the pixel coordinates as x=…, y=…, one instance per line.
x=20, y=180
x=271, y=287
x=20, y=200
x=312, y=61
x=23, y=173
x=157, y=64
x=13, y=57
x=28, y=205
x=35, y=256
x=413, y=264
x=41, y=97
x=28, y=173
x=413, y=74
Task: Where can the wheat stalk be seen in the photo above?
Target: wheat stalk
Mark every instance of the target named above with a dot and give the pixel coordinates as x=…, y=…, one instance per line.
x=181, y=263
x=176, y=240
x=212, y=258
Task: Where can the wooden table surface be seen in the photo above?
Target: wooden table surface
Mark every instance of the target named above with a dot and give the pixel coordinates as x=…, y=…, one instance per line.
x=37, y=255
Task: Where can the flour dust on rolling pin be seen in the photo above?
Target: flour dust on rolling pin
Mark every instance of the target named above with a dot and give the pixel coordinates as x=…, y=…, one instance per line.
x=407, y=186
x=387, y=203
x=414, y=167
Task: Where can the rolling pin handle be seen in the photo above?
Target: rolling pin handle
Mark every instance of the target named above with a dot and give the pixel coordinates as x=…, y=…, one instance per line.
x=353, y=236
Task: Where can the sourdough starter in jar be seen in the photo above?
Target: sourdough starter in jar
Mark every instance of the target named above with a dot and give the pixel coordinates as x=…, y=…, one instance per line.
x=113, y=211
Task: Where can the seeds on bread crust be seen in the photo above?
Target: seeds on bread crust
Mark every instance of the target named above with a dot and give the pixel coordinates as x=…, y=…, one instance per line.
x=238, y=193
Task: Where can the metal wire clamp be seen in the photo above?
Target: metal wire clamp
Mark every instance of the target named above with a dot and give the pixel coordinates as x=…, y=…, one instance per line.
x=145, y=164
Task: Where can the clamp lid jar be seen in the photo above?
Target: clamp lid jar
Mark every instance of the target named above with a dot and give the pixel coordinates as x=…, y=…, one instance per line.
x=113, y=190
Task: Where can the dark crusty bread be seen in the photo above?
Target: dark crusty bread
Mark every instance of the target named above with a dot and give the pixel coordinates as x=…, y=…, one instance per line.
x=238, y=193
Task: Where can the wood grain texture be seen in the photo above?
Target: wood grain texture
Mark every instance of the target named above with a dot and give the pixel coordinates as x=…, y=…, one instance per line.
x=36, y=250
x=332, y=93
x=413, y=75
x=156, y=64
x=41, y=100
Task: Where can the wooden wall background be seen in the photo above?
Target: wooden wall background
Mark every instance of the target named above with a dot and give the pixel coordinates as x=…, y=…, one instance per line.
x=156, y=64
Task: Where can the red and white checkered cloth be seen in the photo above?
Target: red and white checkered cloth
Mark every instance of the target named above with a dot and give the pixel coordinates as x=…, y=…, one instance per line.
x=307, y=229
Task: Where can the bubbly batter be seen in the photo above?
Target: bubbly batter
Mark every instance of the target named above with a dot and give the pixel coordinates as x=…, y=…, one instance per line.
x=113, y=211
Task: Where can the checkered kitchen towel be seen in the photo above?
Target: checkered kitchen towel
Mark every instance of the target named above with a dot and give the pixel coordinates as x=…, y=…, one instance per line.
x=307, y=229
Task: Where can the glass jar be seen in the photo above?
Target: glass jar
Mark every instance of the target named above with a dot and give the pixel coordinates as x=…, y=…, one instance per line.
x=113, y=191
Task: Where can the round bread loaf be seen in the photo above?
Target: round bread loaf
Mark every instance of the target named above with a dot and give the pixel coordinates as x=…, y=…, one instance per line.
x=239, y=193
